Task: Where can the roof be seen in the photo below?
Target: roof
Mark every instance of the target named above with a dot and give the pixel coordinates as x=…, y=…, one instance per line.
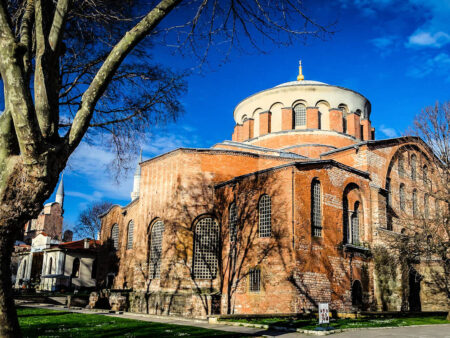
x=78, y=244
x=301, y=83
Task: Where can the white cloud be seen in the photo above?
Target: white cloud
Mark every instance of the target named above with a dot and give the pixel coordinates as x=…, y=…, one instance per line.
x=440, y=64
x=389, y=132
x=426, y=39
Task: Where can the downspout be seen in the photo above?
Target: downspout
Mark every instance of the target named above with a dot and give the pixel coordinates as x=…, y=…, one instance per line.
x=293, y=212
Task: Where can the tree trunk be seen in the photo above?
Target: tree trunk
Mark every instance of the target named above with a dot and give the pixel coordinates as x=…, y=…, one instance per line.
x=9, y=324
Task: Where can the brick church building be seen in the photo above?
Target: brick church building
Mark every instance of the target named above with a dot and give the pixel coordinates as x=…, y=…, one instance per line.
x=280, y=218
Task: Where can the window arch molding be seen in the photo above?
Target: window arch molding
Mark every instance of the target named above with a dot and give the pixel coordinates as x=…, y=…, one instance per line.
x=206, y=250
x=155, y=238
x=265, y=216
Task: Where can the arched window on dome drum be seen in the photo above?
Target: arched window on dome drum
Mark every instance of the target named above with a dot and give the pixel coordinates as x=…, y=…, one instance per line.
x=265, y=216
x=115, y=236
x=414, y=202
x=316, y=208
x=413, y=167
x=206, y=248
x=402, y=197
x=299, y=115
x=130, y=235
x=233, y=222
x=355, y=224
x=156, y=238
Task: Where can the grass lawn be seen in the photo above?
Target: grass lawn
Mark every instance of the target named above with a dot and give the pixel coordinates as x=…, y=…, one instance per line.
x=50, y=323
x=311, y=324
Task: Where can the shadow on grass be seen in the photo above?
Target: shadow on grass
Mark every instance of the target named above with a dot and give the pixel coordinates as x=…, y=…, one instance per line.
x=43, y=314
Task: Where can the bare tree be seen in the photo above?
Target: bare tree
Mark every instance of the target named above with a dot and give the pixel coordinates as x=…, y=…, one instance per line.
x=76, y=68
x=89, y=223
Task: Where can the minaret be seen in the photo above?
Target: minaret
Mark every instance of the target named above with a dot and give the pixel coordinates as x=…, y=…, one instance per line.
x=300, y=76
x=60, y=194
x=137, y=180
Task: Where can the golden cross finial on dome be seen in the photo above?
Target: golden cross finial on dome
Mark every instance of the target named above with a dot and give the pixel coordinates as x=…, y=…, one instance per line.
x=300, y=76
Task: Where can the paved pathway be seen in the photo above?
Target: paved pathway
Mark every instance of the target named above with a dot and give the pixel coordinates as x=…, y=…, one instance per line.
x=430, y=331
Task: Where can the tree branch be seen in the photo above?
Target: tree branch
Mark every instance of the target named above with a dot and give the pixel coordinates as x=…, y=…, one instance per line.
x=110, y=66
x=56, y=31
x=26, y=30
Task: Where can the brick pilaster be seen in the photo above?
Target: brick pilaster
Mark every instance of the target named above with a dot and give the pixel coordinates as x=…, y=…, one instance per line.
x=312, y=118
x=287, y=121
x=264, y=122
x=336, y=122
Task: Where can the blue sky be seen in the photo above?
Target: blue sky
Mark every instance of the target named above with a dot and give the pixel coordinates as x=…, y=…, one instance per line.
x=394, y=52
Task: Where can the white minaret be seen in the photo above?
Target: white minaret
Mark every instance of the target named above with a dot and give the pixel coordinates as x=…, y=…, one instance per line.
x=60, y=194
x=137, y=180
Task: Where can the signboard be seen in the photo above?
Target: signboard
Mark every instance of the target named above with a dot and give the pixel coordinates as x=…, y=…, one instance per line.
x=324, y=313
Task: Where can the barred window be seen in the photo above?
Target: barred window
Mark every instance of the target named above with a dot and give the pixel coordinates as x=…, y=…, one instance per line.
x=401, y=166
x=206, y=248
x=265, y=216
x=414, y=202
x=130, y=235
x=413, y=167
x=402, y=197
x=426, y=209
x=254, y=276
x=299, y=115
x=355, y=225
x=156, y=237
x=115, y=236
x=425, y=174
x=316, y=209
x=233, y=221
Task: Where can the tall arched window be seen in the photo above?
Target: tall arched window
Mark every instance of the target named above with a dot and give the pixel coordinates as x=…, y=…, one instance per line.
x=401, y=165
x=402, y=197
x=206, y=248
x=265, y=216
x=50, y=263
x=156, y=238
x=414, y=202
x=130, y=235
x=425, y=174
x=413, y=167
x=426, y=207
x=115, y=236
x=75, y=268
x=316, y=209
x=233, y=221
x=299, y=115
x=355, y=224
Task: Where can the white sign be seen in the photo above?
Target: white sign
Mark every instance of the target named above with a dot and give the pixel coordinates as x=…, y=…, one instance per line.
x=324, y=317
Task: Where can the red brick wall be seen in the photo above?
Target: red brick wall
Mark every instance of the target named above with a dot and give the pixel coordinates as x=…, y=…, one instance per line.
x=312, y=118
x=264, y=122
x=336, y=122
x=287, y=121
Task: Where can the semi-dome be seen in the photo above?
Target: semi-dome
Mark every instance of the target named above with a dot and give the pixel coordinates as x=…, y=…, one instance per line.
x=301, y=113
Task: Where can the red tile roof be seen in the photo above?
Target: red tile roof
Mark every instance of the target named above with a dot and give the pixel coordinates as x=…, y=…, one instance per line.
x=78, y=244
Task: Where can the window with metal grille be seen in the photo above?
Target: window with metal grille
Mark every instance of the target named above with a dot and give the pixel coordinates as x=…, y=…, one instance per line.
x=316, y=209
x=402, y=197
x=355, y=224
x=130, y=235
x=414, y=202
x=413, y=167
x=206, y=248
x=233, y=221
x=425, y=175
x=115, y=236
x=156, y=237
x=254, y=276
x=265, y=216
x=426, y=209
x=299, y=115
x=401, y=166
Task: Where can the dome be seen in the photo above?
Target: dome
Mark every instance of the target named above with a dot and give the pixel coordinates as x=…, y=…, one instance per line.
x=302, y=83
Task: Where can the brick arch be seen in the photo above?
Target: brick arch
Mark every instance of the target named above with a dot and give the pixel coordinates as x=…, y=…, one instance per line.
x=296, y=102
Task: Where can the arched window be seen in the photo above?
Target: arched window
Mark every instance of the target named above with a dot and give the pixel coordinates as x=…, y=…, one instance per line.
x=413, y=167
x=344, y=109
x=94, y=269
x=233, y=221
x=115, y=236
x=401, y=165
x=426, y=208
x=425, y=174
x=357, y=294
x=316, y=209
x=414, y=202
x=265, y=216
x=156, y=238
x=299, y=115
x=402, y=197
x=50, y=263
x=355, y=224
x=130, y=235
x=206, y=248
x=75, y=268
x=254, y=276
